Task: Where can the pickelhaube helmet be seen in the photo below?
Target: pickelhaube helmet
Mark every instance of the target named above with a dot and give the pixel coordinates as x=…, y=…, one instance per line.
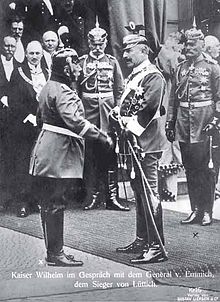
x=194, y=33
x=135, y=37
x=97, y=35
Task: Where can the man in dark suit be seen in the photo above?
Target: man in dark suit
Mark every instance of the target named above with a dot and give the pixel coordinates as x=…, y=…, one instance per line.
x=50, y=44
x=26, y=84
x=17, y=29
x=7, y=64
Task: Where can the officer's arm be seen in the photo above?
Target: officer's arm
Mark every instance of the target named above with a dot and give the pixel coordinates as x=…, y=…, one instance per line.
x=71, y=111
x=173, y=102
x=118, y=83
x=214, y=124
x=216, y=92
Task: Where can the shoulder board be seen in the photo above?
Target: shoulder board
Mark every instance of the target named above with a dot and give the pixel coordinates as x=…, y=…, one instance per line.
x=153, y=67
x=83, y=57
x=65, y=87
x=110, y=56
x=209, y=59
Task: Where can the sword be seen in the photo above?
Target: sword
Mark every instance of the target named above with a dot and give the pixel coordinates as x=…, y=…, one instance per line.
x=148, y=192
x=210, y=164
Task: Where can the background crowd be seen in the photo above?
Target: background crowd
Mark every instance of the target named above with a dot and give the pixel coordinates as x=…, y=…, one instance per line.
x=58, y=24
x=176, y=91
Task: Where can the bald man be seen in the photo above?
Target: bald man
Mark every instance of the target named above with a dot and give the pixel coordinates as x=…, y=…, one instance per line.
x=26, y=84
x=212, y=46
x=50, y=44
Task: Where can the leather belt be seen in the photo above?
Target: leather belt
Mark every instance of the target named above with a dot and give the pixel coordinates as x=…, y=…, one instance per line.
x=195, y=104
x=59, y=130
x=98, y=94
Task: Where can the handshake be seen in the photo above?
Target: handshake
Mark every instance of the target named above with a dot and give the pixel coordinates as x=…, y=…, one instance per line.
x=106, y=140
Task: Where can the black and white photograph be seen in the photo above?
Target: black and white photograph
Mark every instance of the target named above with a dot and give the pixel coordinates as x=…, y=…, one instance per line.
x=109, y=150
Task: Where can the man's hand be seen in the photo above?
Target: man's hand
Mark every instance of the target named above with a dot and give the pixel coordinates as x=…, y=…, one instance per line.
x=170, y=131
x=114, y=113
x=4, y=101
x=212, y=127
x=30, y=118
x=106, y=140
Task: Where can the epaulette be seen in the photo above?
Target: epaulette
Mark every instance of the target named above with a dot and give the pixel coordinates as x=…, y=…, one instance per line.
x=209, y=59
x=83, y=57
x=65, y=87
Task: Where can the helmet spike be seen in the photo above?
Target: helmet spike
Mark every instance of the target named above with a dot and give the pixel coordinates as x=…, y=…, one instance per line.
x=194, y=22
x=96, y=22
x=97, y=34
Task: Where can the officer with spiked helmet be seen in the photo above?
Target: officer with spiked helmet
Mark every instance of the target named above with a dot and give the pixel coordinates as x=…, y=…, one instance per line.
x=193, y=119
x=139, y=114
x=101, y=88
x=58, y=154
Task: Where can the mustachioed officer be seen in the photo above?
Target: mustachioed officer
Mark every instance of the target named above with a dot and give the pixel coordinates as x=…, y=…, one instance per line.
x=193, y=118
x=140, y=112
x=101, y=88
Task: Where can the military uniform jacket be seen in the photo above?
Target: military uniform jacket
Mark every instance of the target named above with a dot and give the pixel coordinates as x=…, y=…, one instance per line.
x=58, y=155
x=195, y=96
x=102, y=75
x=142, y=101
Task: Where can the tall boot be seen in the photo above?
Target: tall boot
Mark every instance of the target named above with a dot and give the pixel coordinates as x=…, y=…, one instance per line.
x=52, y=222
x=208, y=198
x=158, y=217
x=156, y=209
x=112, y=202
x=94, y=201
x=194, y=196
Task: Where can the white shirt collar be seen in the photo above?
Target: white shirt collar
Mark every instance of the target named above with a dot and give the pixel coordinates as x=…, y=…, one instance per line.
x=35, y=69
x=8, y=66
x=4, y=61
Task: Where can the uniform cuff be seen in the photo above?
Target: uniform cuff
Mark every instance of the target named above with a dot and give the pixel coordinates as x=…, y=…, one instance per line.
x=134, y=126
x=85, y=128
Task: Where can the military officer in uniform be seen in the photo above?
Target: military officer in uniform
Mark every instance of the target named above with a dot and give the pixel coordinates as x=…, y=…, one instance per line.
x=74, y=16
x=193, y=120
x=58, y=155
x=140, y=112
x=101, y=88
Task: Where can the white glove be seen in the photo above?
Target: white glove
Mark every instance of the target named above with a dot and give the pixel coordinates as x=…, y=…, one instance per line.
x=12, y=5
x=30, y=118
x=4, y=100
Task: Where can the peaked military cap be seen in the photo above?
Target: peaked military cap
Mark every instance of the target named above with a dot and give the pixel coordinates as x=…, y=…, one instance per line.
x=97, y=35
x=135, y=37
